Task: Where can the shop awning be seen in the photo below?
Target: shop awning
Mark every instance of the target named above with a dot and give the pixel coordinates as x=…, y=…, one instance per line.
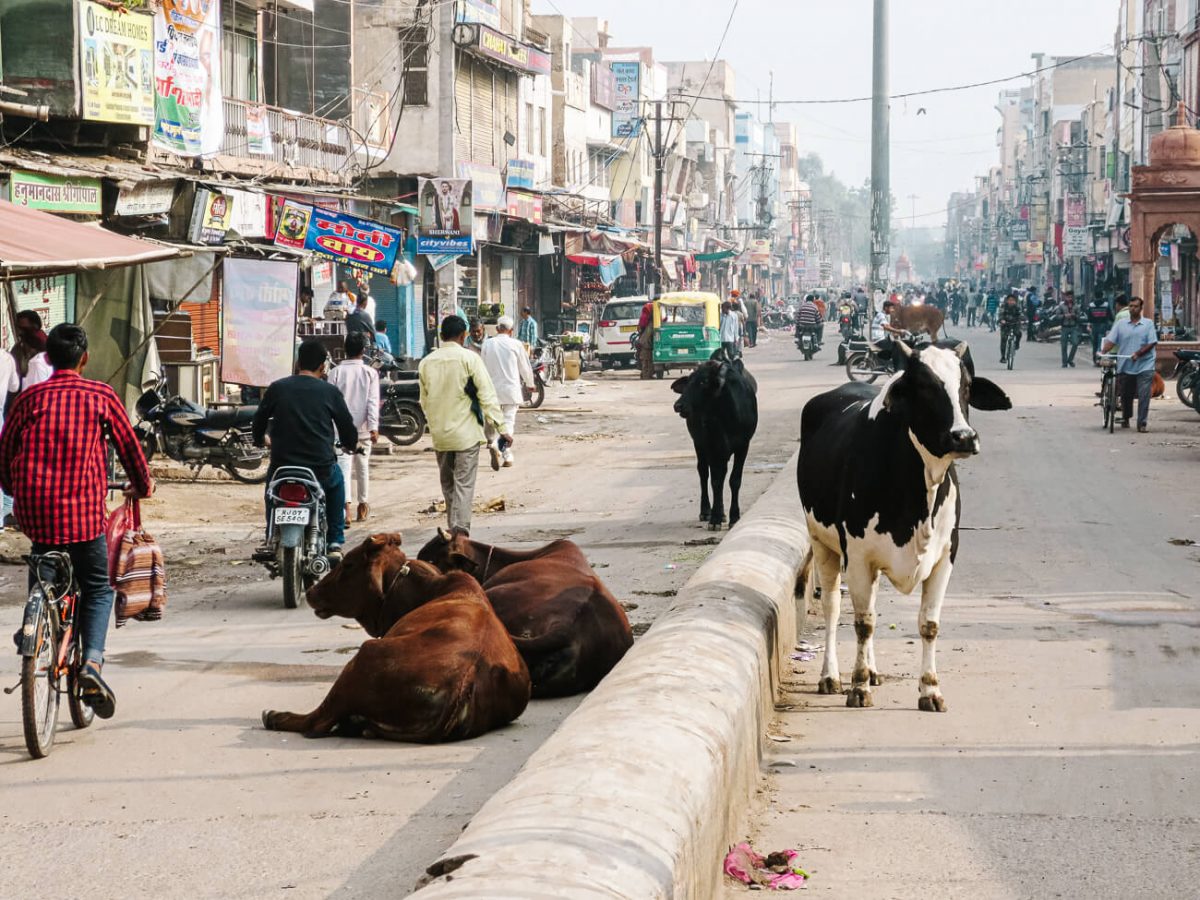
x=38, y=243
x=716, y=257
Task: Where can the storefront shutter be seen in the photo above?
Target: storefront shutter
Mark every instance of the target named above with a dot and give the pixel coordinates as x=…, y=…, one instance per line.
x=206, y=321
x=483, y=132
x=462, y=110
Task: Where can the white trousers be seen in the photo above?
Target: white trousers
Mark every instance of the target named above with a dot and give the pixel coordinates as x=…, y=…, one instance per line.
x=360, y=464
x=510, y=426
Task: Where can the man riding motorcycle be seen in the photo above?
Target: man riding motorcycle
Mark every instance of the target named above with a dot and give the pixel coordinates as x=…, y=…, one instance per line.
x=809, y=318
x=307, y=417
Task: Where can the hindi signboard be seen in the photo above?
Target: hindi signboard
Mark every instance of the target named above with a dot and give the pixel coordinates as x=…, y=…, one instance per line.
x=627, y=80
x=447, y=214
x=1077, y=241
x=116, y=58
x=259, y=320
x=343, y=238
x=53, y=193
x=189, y=117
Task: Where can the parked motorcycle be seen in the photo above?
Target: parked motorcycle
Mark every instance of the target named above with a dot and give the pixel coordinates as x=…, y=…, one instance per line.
x=296, y=529
x=865, y=364
x=536, y=396
x=401, y=419
x=199, y=436
x=1187, y=377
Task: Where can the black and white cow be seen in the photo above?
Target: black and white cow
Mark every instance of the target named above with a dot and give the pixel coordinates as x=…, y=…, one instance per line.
x=720, y=404
x=880, y=494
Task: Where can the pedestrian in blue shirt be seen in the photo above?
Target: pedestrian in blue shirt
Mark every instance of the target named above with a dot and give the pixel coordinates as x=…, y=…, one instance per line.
x=382, y=341
x=992, y=305
x=731, y=330
x=1135, y=340
x=527, y=331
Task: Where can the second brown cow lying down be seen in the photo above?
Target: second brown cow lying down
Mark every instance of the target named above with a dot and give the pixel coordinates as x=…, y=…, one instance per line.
x=565, y=623
x=442, y=667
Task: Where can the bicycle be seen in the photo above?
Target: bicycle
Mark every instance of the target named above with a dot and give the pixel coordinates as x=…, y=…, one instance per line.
x=556, y=360
x=1010, y=348
x=51, y=649
x=1108, y=389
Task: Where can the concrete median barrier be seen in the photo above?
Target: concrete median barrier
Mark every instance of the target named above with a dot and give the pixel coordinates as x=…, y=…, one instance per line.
x=641, y=790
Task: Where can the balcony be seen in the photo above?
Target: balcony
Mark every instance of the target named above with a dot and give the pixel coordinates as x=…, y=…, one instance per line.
x=301, y=146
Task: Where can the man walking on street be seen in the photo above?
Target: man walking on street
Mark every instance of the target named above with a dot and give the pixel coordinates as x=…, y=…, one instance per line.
x=991, y=306
x=1100, y=320
x=527, y=331
x=359, y=384
x=731, y=330
x=308, y=417
x=459, y=399
x=1069, y=335
x=1032, y=305
x=974, y=305
x=508, y=366
x=1135, y=341
x=53, y=462
x=753, y=315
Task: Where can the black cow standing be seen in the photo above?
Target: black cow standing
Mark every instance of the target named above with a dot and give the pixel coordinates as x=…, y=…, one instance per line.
x=880, y=493
x=720, y=404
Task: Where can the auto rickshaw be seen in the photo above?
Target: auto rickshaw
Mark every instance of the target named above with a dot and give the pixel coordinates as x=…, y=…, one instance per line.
x=687, y=330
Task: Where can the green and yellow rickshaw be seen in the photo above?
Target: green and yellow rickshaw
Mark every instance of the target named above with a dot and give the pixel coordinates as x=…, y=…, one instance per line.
x=687, y=330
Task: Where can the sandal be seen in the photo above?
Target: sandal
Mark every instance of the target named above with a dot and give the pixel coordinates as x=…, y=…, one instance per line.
x=95, y=693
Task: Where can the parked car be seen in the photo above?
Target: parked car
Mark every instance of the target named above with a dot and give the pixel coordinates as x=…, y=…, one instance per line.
x=618, y=323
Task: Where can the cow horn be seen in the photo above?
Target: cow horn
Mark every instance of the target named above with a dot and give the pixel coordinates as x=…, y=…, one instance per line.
x=962, y=349
x=905, y=349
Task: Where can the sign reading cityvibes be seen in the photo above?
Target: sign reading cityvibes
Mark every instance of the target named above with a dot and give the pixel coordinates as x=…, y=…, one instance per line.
x=188, y=114
x=51, y=193
x=116, y=58
x=343, y=238
x=447, y=214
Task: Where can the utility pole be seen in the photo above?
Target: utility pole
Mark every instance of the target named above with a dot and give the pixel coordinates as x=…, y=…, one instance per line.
x=881, y=191
x=659, y=163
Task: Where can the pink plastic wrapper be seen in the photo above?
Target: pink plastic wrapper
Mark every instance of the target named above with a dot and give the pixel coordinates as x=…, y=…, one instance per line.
x=778, y=872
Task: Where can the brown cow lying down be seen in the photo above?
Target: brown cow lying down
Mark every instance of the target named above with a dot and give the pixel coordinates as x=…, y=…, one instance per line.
x=568, y=627
x=442, y=667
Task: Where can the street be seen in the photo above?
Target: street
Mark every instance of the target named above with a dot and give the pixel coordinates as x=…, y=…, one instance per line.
x=1068, y=653
x=184, y=793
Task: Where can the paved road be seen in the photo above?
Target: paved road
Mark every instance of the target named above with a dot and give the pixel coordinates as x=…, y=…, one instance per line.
x=1067, y=764
x=184, y=793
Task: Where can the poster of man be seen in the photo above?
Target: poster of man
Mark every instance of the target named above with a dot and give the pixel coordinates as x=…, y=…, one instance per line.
x=447, y=213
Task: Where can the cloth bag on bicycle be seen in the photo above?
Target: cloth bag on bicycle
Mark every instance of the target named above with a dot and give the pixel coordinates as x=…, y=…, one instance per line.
x=135, y=566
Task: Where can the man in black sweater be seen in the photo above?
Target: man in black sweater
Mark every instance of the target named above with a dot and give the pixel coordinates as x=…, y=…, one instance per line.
x=303, y=412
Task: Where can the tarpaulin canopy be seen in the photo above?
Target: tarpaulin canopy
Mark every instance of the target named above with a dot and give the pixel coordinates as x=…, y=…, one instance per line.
x=37, y=243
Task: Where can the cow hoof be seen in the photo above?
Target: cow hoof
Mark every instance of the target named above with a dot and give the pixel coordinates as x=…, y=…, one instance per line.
x=268, y=718
x=714, y=526
x=876, y=679
x=705, y=515
x=859, y=698
x=932, y=703
x=829, y=686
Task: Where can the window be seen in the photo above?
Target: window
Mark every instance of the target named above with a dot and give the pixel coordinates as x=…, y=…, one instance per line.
x=541, y=131
x=414, y=43
x=529, y=128
x=239, y=51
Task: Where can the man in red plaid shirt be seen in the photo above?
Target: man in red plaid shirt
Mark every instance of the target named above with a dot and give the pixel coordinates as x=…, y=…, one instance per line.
x=53, y=463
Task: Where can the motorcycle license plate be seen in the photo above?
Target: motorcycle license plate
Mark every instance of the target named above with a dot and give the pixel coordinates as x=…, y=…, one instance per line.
x=291, y=516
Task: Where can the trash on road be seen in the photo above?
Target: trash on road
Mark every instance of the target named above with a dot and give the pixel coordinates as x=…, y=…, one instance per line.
x=804, y=656
x=776, y=872
x=1181, y=542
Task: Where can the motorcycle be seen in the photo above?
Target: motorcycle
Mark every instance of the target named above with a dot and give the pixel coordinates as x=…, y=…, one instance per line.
x=536, y=396
x=401, y=419
x=199, y=436
x=865, y=364
x=808, y=340
x=1187, y=377
x=847, y=323
x=296, y=529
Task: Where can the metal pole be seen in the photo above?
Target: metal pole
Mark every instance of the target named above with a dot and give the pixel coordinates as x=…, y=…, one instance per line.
x=658, y=191
x=881, y=192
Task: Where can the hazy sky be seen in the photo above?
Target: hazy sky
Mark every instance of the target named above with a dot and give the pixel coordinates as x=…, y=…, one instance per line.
x=822, y=50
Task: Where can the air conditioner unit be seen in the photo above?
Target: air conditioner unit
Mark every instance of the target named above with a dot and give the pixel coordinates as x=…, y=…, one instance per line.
x=698, y=200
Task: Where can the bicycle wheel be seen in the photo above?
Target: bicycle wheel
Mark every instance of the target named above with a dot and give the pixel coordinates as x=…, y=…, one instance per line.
x=1010, y=351
x=1110, y=399
x=82, y=715
x=560, y=366
x=39, y=689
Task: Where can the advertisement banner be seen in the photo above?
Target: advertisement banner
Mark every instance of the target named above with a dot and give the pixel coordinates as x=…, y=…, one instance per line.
x=343, y=238
x=116, y=58
x=189, y=118
x=1077, y=241
x=604, y=88
x=1076, y=211
x=760, y=252
x=148, y=198
x=211, y=215
x=258, y=132
x=525, y=206
x=1020, y=226
x=520, y=173
x=500, y=47
x=248, y=214
x=487, y=188
x=52, y=193
x=51, y=297
x=1035, y=252
x=259, y=320
x=447, y=217
x=479, y=12
x=626, y=118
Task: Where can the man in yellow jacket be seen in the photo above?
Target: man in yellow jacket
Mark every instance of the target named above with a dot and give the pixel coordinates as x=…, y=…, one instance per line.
x=459, y=399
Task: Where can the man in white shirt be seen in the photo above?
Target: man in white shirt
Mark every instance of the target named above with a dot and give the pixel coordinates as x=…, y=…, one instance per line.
x=507, y=363
x=370, y=298
x=359, y=384
x=340, y=302
x=39, y=370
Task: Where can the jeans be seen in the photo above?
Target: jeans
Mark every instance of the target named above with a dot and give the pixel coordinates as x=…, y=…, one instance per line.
x=1141, y=385
x=330, y=479
x=1098, y=333
x=972, y=315
x=89, y=559
x=458, y=470
x=732, y=348
x=357, y=466
x=990, y=318
x=1069, y=341
x=752, y=333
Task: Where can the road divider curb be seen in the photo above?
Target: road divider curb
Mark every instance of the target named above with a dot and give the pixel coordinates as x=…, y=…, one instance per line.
x=641, y=790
